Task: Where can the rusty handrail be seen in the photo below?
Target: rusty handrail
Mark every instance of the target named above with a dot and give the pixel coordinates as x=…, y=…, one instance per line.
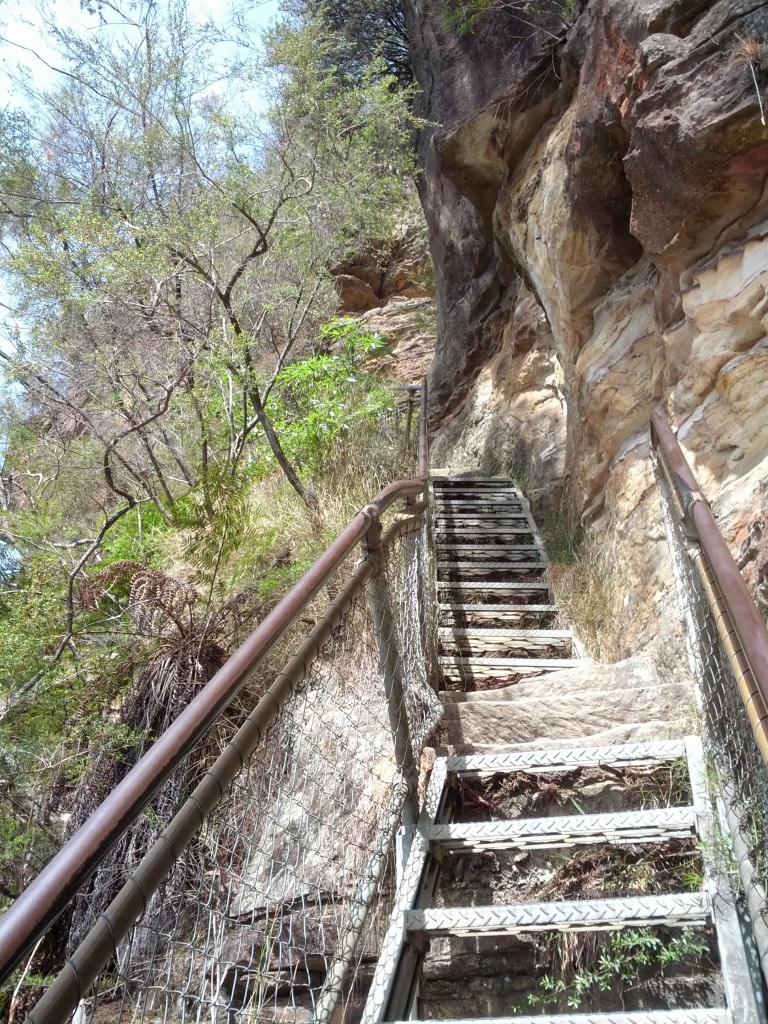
x=738, y=606
x=35, y=910
x=423, y=464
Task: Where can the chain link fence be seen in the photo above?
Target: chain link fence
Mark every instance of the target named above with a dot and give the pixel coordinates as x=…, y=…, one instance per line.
x=273, y=906
x=729, y=700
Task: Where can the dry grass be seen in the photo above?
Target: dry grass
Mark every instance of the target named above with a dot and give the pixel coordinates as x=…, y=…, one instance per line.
x=589, y=592
x=750, y=51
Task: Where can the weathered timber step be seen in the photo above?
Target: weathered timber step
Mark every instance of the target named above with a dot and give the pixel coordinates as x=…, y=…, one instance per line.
x=472, y=487
x=535, y=616
x=515, y=554
x=493, y=501
x=511, y=588
x=619, y=828
x=462, y=481
x=461, y=549
x=471, y=570
x=495, y=611
x=490, y=518
x=488, y=641
x=717, y=1015
x=481, y=525
x=468, y=669
x=492, y=540
x=675, y=910
x=491, y=515
x=591, y=702
x=511, y=506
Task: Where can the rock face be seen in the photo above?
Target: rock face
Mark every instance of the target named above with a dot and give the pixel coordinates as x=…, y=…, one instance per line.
x=597, y=705
x=608, y=187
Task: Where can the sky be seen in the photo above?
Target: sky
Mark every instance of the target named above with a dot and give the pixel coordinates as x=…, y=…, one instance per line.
x=22, y=30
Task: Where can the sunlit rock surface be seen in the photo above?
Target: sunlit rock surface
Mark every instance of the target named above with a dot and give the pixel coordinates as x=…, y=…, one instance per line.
x=615, y=178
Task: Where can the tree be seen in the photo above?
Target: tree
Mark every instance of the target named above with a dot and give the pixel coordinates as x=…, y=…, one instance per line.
x=168, y=244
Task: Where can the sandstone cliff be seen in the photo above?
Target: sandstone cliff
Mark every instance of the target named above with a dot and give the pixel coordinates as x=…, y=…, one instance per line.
x=597, y=203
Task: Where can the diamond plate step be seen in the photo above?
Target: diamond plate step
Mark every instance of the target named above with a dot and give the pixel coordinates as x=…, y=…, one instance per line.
x=566, y=758
x=677, y=909
x=618, y=828
x=702, y=1016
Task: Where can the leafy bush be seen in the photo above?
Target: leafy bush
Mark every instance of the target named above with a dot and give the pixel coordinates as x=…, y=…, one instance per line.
x=320, y=399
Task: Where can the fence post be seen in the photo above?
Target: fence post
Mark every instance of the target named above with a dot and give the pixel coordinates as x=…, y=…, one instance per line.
x=385, y=631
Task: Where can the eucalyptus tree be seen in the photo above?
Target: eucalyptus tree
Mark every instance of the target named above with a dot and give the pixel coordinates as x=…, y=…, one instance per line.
x=171, y=228
x=168, y=224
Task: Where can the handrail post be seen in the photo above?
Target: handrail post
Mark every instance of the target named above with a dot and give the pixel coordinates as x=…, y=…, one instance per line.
x=423, y=464
x=390, y=666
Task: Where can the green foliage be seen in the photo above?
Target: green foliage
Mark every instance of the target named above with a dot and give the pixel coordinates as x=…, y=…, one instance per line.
x=30, y=619
x=466, y=14
x=167, y=244
x=136, y=537
x=621, y=959
x=320, y=399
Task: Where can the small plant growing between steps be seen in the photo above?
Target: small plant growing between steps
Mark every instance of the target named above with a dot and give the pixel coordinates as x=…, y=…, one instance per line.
x=590, y=970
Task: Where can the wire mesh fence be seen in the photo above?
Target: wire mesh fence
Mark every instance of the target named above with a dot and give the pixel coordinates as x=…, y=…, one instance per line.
x=739, y=772
x=275, y=907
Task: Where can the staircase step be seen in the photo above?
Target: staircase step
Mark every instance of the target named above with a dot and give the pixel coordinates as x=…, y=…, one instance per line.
x=479, y=641
x=716, y=1015
x=493, y=516
x=522, y=588
x=461, y=550
x=449, y=531
x=676, y=909
x=467, y=667
x=465, y=481
x=649, y=826
x=511, y=613
x=472, y=569
x=540, y=712
x=567, y=758
x=509, y=508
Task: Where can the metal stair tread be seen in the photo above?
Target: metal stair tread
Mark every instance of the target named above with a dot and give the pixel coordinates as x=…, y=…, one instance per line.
x=566, y=757
x=467, y=632
x=618, y=827
x=493, y=565
x=565, y=915
x=512, y=586
x=503, y=665
x=498, y=610
x=492, y=517
x=509, y=530
x=485, y=549
x=705, y=1015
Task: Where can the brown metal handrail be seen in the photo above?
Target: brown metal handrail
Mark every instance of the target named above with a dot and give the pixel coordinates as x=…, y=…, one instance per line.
x=35, y=910
x=739, y=623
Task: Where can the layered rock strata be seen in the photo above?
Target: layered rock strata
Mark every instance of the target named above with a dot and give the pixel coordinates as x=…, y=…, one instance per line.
x=603, y=193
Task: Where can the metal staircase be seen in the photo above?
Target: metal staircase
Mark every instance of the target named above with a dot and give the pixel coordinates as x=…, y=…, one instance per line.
x=493, y=602
x=495, y=627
